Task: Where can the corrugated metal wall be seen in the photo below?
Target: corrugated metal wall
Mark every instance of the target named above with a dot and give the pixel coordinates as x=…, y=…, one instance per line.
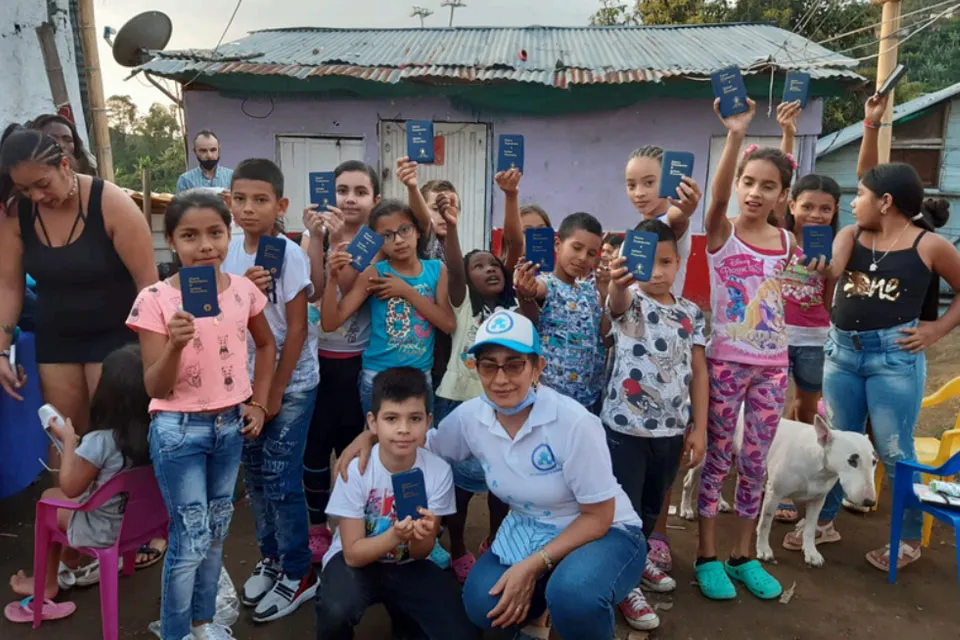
x=465, y=164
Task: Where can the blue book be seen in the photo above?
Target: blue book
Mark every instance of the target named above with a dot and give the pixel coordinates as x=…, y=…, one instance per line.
x=364, y=247
x=270, y=252
x=198, y=290
x=728, y=86
x=676, y=164
x=409, y=493
x=795, y=87
x=420, y=141
x=540, y=247
x=323, y=189
x=510, y=153
x=640, y=250
x=818, y=241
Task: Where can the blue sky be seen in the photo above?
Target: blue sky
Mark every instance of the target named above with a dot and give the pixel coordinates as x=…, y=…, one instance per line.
x=199, y=23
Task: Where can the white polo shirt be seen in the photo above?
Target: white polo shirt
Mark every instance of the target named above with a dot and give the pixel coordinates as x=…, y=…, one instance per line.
x=558, y=460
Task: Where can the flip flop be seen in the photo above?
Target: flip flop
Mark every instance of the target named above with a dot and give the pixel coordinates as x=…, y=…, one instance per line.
x=21, y=612
x=755, y=578
x=153, y=555
x=787, y=513
x=906, y=555
x=714, y=582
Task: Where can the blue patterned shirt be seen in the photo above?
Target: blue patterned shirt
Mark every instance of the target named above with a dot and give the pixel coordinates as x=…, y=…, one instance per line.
x=195, y=178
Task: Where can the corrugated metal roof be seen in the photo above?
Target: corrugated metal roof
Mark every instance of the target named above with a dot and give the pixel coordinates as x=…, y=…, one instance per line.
x=843, y=137
x=555, y=56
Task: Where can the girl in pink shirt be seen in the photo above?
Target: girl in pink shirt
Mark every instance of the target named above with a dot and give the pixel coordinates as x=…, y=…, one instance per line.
x=203, y=405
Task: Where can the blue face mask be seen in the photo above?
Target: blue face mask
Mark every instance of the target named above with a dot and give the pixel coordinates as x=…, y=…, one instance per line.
x=512, y=411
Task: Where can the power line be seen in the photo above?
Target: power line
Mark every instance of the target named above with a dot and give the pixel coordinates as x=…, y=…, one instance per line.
x=220, y=41
x=882, y=22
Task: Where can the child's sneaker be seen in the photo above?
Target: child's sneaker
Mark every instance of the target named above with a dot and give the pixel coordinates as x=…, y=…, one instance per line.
x=638, y=613
x=462, y=566
x=260, y=583
x=439, y=556
x=320, y=540
x=286, y=596
x=211, y=631
x=656, y=580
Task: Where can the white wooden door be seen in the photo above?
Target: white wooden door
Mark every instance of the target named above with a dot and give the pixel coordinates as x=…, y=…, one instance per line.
x=298, y=156
x=465, y=164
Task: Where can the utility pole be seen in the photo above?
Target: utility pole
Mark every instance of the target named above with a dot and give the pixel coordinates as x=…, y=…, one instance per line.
x=98, y=110
x=886, y=62
x=454, y=5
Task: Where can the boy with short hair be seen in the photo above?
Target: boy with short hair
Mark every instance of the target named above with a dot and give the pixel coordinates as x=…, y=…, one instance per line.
x=659, y=385
x=284, y=578
x=566, y=307
x=374, y=558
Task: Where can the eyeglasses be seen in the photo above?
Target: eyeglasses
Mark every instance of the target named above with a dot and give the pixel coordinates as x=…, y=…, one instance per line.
x=404, y=232
x=512, y=368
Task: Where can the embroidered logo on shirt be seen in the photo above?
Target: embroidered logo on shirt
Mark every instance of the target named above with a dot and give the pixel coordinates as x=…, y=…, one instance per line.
x=543, y=458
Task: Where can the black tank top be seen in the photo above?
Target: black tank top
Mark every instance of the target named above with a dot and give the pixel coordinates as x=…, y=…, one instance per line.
x=84, y=291
x=890, y=295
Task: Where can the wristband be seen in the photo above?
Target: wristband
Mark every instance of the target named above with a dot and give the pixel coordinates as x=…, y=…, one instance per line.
x=547, y=560
x=872, y=125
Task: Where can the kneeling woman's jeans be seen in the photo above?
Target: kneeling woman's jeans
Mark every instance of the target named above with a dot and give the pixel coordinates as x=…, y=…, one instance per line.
x=867, y=374
x=196, y=457
x=581, y=592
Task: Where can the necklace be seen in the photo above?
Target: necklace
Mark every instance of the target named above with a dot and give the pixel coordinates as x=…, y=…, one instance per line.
x=874, y=264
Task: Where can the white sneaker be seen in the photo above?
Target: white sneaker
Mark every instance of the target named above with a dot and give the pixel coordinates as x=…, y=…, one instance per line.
x=286, y=596
x=211, y=631
x=264, y=576
x=638, y=613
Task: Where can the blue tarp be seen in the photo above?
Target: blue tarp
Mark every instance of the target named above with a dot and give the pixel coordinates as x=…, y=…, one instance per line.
x=23, y=442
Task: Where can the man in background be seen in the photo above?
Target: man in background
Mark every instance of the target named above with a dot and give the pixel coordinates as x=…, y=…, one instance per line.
x=209, y=175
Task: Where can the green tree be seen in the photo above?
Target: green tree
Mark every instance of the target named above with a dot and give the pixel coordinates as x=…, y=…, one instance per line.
x=145, y=141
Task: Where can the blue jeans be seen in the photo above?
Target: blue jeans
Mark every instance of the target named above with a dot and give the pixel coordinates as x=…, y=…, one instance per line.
x=581, y=591
x=196, y=457
x=366, y=390
x=273, y=475
x=867, y=374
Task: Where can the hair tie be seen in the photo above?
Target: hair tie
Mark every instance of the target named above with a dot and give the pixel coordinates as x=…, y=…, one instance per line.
x=750, y=149
x=917, y=217
x=793, y=162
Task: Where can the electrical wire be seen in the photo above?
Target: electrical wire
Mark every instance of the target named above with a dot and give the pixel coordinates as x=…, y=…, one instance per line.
x=219, y=42
x=882, y=22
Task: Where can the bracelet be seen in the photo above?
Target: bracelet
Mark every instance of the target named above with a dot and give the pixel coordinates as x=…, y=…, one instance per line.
x=254, y=403
x=872, y=125
x=547, y=560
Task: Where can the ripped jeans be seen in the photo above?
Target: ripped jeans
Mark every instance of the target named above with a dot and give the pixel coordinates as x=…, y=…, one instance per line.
x=196, y=457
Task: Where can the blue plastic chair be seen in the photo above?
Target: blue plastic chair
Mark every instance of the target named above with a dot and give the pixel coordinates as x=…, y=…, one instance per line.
x=905, y=498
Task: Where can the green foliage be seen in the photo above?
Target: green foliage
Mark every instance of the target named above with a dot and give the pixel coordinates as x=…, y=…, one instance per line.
x=933, y=56
x=145, y=141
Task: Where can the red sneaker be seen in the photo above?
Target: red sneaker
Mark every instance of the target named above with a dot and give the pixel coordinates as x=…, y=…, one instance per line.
x=656, y=580
x=638, y=613
x=320, y=539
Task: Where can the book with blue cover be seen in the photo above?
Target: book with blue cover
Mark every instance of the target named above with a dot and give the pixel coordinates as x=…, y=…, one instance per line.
x=510, y=153
x=270, y=253
x=409, y=493
x=364, y=247
x=675, y=165
x=729, y=87
x=198, y=290
x=540, y=247
x=640, y=250
x=796, y=87
x=323, y=189
x=818, y=241
x=420, y=141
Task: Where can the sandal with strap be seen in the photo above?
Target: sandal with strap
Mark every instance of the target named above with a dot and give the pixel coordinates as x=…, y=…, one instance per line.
x=826, y=534
x=787, y=513
x=714, y=582
x=755, y=578
x=906, y=555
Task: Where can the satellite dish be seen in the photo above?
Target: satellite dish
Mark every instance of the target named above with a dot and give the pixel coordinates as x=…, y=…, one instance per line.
x=139, y=39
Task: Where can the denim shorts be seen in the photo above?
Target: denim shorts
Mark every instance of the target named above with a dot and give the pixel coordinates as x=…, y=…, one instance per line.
x=806, y=365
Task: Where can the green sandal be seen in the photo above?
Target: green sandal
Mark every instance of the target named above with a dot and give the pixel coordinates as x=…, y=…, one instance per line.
x=714, y=582
x=755, y=578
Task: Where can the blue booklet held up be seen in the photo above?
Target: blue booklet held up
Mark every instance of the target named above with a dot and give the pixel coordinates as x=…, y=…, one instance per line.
x=364, y=247
x=640, y=250
x=510, y=153
x=323, y=189
x=409, y=493
x=728, y=86
x=541, y=245
x=796, y=87
x=420, y=141
x=198, y=289
x=270, y=252
x=676, y=164
x=818, y=241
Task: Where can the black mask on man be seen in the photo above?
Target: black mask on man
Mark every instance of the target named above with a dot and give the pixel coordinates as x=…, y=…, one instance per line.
x=209, y=165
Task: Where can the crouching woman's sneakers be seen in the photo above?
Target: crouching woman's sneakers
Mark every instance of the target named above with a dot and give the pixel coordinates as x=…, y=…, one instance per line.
x=286, y=596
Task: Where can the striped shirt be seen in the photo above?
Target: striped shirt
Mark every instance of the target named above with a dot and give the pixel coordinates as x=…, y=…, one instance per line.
x=195, y=178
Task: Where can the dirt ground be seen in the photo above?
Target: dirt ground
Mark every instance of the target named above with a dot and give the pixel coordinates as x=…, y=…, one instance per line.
x=847, y=598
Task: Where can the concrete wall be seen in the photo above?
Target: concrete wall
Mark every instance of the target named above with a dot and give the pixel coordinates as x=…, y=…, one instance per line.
x=24, y=90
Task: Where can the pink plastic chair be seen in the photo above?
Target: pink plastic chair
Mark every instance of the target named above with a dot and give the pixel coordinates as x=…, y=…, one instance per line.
x=144, y=519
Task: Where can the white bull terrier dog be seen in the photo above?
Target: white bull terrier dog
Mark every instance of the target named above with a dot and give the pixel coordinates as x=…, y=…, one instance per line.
x=803, y=464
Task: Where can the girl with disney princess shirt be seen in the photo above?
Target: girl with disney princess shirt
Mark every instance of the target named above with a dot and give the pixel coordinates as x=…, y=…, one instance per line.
x=747, y=351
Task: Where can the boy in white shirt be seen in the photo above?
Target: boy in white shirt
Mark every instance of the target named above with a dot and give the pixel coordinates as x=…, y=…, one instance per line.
x=374, y=558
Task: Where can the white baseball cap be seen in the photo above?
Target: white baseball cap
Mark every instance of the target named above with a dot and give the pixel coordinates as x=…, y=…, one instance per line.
x=508, y=329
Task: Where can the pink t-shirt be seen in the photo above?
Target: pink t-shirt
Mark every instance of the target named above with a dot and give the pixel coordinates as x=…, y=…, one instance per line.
x=808, y=321
x=213, y=368
x=745, y=297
